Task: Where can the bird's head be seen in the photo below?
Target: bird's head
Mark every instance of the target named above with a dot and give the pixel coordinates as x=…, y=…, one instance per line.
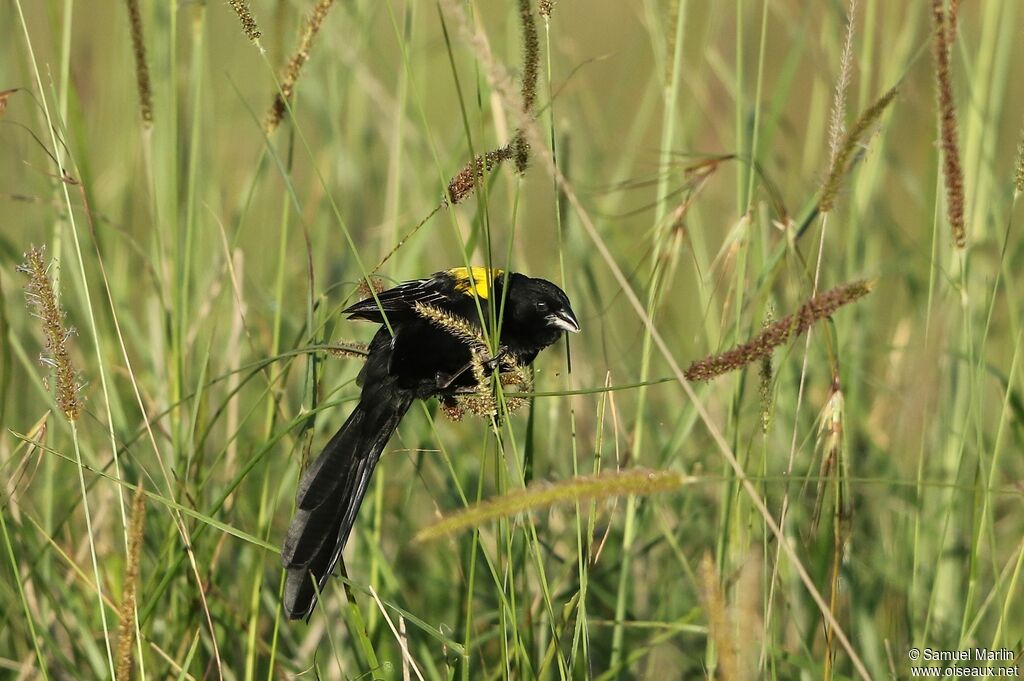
x=537, y=313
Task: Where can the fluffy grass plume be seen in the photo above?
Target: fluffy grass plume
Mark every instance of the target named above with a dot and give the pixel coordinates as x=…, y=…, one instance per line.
x=43, y=302
x=949, y=135
x=141, y=68
x=453, y=324
x=637, y=481
x=836, y=127
x=719, y=622
x=817, y=308
x=850, y=143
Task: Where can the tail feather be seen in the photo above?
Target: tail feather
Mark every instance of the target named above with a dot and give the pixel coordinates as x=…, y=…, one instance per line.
x=330, y=493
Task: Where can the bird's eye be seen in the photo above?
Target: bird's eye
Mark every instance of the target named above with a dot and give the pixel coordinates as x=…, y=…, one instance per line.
x=542, y=307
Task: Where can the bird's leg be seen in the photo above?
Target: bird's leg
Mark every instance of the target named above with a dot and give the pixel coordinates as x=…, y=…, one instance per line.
x=445, y=381
x=496, y=360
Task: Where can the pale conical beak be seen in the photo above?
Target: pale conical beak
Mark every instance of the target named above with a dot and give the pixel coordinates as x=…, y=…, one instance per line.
x=565, y=320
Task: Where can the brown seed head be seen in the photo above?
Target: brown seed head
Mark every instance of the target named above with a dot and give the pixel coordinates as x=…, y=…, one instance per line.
x=765, y=389
x=465, y=182
x=249, y=26
x=790, y=326
x=126, y=629
x=948, y=130
x=141, y=69
x=291, y=75
x=531, y=56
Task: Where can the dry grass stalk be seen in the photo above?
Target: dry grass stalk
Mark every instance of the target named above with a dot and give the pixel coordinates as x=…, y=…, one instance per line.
x=948, y=130
x=603, y=486
x=43, y=302
x=671, y=19
x=295, y=64
x=817, y=308
x=850, y=143
x=126, y=630
x=830, y=439
x=141, y=69
x=249, y=25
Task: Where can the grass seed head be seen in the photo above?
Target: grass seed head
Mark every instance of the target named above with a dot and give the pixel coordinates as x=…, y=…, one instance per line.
x=42, y=301
x=765, y=386
x=636, y=481
x=249, y=25
x=126, y=629
x=719, y=622
x=836, y=128
x=948, y=129
x=466, y=181
x=366, y=289
x=141, y=68
x=291, y=75
x=458, y=326
x=531, y=56
x=850, y=144
x=817, y=308
x=349, y=350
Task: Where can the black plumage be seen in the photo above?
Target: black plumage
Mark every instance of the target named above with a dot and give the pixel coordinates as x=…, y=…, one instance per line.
x=414, y=358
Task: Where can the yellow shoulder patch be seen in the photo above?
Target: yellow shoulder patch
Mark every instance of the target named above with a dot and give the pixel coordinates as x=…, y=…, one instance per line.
x=472, y=279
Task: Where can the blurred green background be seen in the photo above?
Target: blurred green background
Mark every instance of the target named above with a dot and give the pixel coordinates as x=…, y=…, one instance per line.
x=696, y=138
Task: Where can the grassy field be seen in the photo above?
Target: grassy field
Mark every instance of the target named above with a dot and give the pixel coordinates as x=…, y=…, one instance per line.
x=847, y=489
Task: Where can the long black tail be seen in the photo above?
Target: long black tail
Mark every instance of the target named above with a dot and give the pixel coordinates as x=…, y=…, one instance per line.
x=331, y=491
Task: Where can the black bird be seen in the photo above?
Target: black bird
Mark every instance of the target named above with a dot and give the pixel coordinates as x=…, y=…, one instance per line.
x=415, y=358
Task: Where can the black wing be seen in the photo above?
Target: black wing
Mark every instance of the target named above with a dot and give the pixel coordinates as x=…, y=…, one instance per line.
x=399, y=303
